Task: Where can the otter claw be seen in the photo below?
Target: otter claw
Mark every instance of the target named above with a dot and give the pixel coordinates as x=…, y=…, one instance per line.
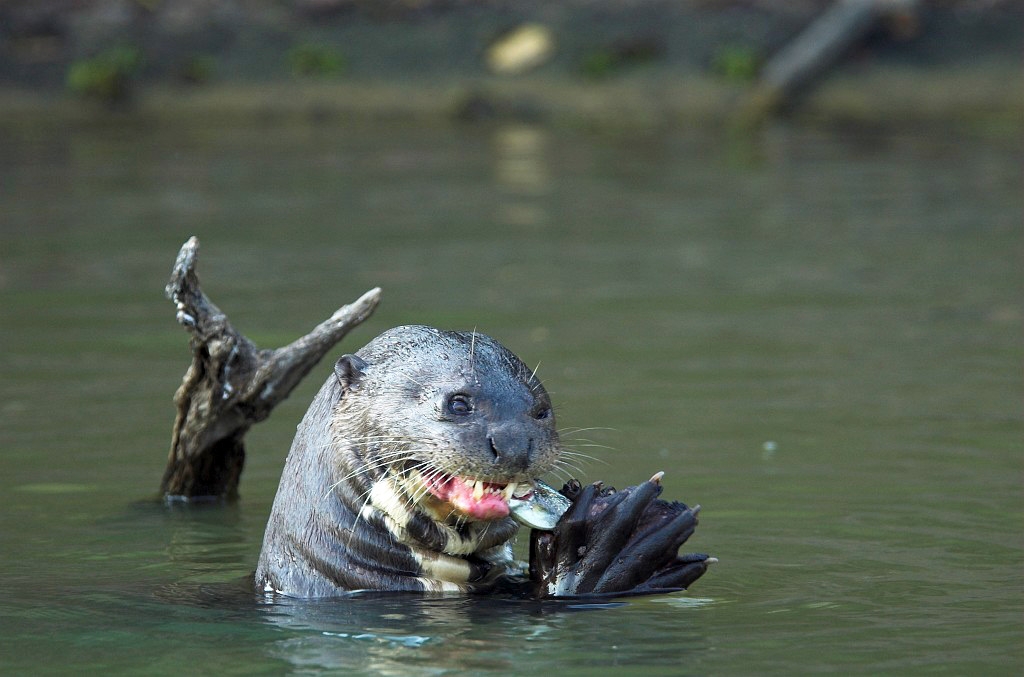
x=616, y=543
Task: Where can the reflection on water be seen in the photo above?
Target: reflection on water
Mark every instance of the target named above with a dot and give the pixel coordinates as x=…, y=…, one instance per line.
x=817, y=337
x=424, y=636
x=522, y=175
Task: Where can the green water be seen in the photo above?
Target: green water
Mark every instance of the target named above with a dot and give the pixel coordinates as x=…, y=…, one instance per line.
x=816, y=335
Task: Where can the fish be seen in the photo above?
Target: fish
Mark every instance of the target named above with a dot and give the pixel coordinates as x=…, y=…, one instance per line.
x=538, y=506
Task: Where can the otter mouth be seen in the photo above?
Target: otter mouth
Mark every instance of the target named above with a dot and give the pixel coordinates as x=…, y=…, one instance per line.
x=475, y=499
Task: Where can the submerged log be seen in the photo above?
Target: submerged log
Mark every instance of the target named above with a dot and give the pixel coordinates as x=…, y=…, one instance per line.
x=231, y=384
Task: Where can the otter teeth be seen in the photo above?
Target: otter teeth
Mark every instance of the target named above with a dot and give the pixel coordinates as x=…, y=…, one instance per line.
x=507, y=492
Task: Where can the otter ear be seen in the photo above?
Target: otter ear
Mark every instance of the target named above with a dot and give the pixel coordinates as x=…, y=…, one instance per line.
x=349, y=369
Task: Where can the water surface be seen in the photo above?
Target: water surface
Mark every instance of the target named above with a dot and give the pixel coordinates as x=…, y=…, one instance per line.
x=815, y=334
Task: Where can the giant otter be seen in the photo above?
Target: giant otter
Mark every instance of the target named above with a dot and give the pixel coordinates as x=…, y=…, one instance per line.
x=401, y=474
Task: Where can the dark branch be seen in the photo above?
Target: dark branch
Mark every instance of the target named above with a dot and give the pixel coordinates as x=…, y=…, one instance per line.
x=231, y=384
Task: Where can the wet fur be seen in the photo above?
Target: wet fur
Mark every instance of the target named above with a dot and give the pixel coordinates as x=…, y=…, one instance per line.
x=347, y=516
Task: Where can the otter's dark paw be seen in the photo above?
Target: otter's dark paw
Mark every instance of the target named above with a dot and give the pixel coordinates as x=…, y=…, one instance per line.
x=616, y=543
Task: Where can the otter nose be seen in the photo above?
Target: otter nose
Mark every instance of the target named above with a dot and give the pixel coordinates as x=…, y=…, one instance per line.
x=511, y=448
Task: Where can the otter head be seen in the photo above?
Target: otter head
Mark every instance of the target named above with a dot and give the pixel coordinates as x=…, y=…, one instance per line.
x=456, y=421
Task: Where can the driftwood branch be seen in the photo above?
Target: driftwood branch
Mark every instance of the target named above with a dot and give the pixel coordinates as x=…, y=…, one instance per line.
x=824, y=42
x=231, y=384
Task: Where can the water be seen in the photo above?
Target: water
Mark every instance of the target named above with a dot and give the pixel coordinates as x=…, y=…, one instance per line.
x=816, y=334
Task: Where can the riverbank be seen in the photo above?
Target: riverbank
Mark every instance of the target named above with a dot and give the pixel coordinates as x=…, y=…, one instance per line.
x=970, y=99
x=641, y=63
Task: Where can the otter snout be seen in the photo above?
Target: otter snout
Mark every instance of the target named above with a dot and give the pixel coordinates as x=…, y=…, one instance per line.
x=511, y=448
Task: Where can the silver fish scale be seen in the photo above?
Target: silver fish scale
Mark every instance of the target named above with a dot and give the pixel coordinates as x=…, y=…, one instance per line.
x=541, y=508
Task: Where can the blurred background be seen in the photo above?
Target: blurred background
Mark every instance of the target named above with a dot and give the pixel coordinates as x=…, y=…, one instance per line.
x=621, y=62
x=772, y=248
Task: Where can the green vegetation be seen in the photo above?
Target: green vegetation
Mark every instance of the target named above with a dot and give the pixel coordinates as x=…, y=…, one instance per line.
x=197, y=69
x=109, y=76
x=619, y=56
x=309, y=59
x=736, y=63
x=598, y=64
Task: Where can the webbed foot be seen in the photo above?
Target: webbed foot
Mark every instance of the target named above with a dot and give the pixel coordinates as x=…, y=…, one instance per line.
x=616, y=543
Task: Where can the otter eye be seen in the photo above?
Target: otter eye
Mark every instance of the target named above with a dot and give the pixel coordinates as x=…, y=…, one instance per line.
x=460, y=405
x=542, y=413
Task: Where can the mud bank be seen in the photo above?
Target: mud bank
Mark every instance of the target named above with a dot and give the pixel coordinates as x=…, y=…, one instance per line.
x=643, y=62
